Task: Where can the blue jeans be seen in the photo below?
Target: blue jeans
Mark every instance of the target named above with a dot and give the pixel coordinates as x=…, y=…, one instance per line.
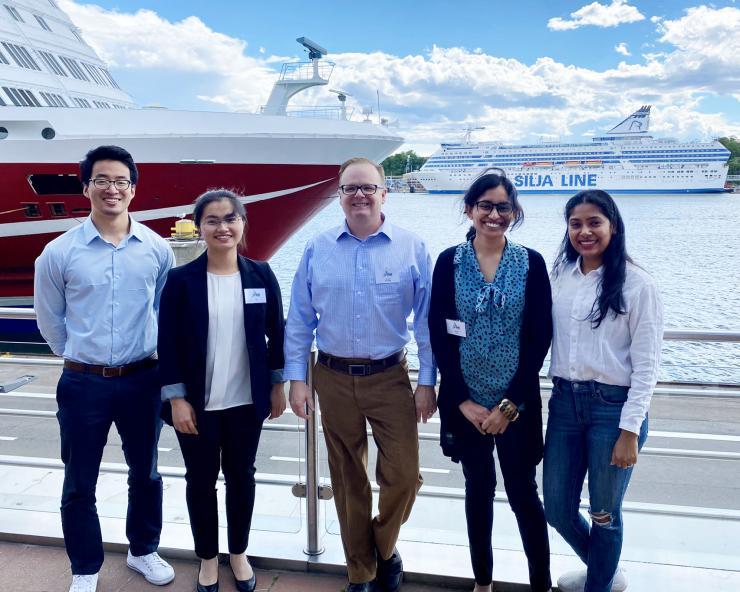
x=88, y=405
x=582, y=429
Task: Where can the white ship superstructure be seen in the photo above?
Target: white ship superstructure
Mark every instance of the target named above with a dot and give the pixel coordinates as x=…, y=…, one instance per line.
x=624, y=160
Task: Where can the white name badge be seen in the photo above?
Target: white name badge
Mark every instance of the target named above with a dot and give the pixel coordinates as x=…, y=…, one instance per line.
x=386, y=276
x=456, y=328
x=254, y=296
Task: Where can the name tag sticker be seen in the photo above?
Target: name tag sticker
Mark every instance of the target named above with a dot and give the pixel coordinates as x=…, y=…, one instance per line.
x=456, y=327
x=385, y=275
x=254, y=296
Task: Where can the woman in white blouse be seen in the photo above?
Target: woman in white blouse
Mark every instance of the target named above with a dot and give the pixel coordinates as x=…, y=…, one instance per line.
x=607, y=334
x=221, y=359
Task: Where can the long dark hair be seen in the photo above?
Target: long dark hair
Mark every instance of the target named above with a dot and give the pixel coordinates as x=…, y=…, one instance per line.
x=610, y=292
x=491, y=181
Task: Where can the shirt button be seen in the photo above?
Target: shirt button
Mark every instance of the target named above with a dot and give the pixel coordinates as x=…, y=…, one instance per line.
x=359, y=293
x=357, y=316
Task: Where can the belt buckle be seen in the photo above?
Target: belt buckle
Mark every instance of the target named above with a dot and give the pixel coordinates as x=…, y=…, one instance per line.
x=357, y=370
x=112, y=371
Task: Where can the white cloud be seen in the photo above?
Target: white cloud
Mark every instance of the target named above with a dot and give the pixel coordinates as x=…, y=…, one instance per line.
x=622, y=49
x=599, y=15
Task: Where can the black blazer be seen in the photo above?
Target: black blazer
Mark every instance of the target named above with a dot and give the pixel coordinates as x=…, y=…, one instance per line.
x=183, y=332
x=536, y=335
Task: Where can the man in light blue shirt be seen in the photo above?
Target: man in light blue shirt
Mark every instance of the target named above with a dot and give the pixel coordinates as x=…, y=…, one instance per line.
x=96, y=295
x=356, y=285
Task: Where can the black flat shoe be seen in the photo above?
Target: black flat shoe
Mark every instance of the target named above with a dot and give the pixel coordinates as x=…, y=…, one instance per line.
x=362, y=587
x=201, y=588
x=390, y=572
x=246, y=585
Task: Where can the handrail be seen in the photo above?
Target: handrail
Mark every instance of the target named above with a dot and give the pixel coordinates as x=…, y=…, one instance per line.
x=672, y=334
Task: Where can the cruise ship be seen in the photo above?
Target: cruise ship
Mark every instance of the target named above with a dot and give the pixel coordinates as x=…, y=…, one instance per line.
x=58, y=100
x=623, y=160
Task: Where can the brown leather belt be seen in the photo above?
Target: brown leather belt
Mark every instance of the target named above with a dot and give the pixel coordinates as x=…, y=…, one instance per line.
x=366, y=369
x=112, y=371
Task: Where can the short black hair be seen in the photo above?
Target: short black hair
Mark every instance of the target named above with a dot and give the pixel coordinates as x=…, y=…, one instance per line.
x=107, y=153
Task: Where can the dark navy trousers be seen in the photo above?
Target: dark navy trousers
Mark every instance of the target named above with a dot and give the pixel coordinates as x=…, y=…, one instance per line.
x=88, y=405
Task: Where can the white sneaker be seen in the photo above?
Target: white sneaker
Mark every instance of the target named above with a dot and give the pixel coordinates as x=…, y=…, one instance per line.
x=154, y=569
x=575, y=581
x=84, y=583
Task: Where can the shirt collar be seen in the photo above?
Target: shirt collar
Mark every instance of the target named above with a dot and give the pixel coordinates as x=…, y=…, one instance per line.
x=386, y=228
x=598, y=272
x=90, y=232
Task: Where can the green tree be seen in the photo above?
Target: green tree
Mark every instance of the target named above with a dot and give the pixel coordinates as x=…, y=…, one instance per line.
x=733, y=145
x=395, y=166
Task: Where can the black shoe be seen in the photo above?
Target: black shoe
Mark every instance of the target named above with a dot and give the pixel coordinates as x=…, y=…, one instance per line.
x=201, y=588
x=246, y=585
x=390, y=572
x=363, y=587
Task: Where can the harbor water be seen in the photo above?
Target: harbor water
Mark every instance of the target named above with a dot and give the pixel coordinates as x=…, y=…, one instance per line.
x=690, y=244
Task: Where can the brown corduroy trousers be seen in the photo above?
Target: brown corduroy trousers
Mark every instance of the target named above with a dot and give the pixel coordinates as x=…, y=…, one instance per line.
x=386, y=401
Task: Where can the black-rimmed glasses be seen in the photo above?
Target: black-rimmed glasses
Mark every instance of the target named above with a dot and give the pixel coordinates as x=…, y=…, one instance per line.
x=120, y=184
x=503, y=207
x=367, y=189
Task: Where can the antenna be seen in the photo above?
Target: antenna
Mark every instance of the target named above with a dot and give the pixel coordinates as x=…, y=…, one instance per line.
x=469, y=132
x=342, y=96
x=315, y=51
x=367, y=112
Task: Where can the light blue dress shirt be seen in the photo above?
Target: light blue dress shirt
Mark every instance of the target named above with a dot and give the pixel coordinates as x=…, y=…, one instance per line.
x=357, y=295
x=97, y=303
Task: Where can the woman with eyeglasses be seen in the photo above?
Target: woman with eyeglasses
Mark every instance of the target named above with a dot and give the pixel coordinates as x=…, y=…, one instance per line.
x=491, y=326
x=220, y=362
x=608, y=330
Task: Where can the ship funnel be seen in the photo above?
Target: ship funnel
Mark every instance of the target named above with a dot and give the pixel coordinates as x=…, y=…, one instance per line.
x=637, y=123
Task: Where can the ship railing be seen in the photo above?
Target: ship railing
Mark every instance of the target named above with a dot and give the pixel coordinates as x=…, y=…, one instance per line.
x=439, y=506
x=302, y=71
x=318, y=112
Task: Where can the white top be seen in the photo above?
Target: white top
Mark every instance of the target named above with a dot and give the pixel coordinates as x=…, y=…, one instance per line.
x=227, y=359
x=622, y=351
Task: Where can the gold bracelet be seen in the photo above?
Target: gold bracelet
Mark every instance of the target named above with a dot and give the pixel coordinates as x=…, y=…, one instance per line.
x=508, y=409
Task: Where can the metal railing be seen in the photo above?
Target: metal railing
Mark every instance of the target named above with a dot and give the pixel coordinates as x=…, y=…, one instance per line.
x=313, y=490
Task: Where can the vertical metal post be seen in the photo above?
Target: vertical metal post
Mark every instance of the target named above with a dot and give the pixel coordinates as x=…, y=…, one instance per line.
x=312, y=469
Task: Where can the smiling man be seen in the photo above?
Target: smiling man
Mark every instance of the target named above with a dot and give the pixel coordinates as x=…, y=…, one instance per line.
x=96, y=296
x=355, y=287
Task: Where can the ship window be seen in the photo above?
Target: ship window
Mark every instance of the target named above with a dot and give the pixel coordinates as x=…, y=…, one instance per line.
x=15, y=14
x=77, y=35
x=42, y=22
x=52, y=63
x=58, y=210
x=109, y=77
x=93, y=74
x=30, y=96
x=54, y=4
x=80, y=212
x=21, y=56
x=74, y=68
x=32, y=210
x=48, y=133
x=3, y=59
x=47, y=184
x=3, y=130
x=17, y=99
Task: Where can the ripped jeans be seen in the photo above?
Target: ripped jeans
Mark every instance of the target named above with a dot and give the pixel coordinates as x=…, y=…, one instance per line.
x=582, y=428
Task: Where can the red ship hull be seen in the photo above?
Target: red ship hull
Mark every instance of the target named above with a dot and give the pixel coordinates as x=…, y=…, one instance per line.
x=279, y=199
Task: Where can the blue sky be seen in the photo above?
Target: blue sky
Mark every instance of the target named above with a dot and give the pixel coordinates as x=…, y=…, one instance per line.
x=522, y=69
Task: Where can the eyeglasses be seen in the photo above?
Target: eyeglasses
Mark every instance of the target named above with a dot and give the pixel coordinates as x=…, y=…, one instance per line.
x=503, y=207
x=366, y=189
x=121, y=184
x=214, y=223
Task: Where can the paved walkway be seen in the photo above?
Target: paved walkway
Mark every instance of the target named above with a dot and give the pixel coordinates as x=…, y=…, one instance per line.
x=36, y=568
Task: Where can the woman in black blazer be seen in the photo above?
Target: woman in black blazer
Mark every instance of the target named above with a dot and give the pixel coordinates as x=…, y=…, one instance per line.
x=490, y=328
x=220, y=362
